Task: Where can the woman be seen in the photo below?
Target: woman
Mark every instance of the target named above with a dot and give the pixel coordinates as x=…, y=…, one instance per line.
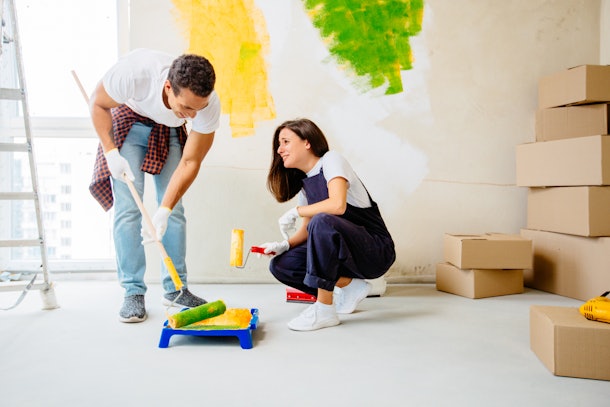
x=342, y=239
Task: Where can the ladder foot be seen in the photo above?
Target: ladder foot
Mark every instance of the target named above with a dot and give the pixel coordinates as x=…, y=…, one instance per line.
x=49, y=301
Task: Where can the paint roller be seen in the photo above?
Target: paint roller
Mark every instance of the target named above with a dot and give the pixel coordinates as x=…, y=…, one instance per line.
x=196, y=314
x=134, y=193
x=237, y=249
x=232, y=318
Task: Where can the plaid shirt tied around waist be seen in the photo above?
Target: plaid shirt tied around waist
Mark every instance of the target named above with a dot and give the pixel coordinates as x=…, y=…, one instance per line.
x=158, y=147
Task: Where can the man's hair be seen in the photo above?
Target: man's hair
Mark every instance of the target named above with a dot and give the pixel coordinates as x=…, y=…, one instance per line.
x=192, y=72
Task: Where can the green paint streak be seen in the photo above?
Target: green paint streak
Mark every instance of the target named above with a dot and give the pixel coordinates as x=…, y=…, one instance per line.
x=371, y=37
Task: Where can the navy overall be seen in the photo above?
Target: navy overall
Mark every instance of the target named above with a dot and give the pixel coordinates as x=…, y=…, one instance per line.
x=356, y=244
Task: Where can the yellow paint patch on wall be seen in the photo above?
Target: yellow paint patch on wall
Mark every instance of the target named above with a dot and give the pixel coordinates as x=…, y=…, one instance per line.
x=233, y=35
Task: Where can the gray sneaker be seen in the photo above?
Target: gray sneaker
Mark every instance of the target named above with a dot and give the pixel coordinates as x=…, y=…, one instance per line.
x=187, y=299
x=133, y=309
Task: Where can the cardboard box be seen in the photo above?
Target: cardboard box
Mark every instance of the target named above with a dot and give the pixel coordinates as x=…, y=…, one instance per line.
x=488, y=251
x=573, y=266
x=568, y=344
x=578, y=85
x=567, y=162
x=583, y=211
x=572, y=121
x=478, y=283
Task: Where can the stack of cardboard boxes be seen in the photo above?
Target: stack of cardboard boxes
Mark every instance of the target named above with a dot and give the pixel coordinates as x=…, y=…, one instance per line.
x=567, y=171
x=487, y=265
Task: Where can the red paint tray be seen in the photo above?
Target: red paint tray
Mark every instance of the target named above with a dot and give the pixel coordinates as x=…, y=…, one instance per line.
x=294, y=295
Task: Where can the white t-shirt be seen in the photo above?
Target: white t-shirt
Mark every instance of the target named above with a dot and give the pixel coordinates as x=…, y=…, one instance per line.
x=335, y=165
x=137, y=80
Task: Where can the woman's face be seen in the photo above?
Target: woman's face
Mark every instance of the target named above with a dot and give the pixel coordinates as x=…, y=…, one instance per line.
x=295, y=152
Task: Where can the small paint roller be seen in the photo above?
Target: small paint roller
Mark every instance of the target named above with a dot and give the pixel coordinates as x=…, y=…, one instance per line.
x=196, y=314
x=237, y=249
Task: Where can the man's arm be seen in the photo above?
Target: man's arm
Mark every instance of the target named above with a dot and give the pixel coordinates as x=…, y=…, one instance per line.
x=99, y=107
x=196, y=148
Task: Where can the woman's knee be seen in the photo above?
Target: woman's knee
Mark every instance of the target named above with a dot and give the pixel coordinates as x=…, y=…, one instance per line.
x=276, y=269
x=321, y=221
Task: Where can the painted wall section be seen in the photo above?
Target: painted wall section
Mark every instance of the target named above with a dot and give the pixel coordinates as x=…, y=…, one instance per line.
x=438, y=157
x=370, y=38
x=233, y=36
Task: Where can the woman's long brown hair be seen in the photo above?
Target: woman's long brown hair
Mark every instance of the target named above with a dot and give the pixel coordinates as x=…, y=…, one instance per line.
x=284, y=183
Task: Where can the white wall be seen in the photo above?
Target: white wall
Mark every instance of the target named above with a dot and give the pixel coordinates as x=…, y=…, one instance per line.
x=438, y=157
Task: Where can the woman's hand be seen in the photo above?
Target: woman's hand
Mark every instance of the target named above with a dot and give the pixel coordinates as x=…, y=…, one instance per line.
x=288, y=222
x=275, y=248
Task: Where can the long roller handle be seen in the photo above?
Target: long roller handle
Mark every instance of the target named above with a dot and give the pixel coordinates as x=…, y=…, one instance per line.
x=80, y=86
x=151, y=228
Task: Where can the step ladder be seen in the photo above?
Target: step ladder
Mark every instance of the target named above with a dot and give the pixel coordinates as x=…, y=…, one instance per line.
x=11, y=58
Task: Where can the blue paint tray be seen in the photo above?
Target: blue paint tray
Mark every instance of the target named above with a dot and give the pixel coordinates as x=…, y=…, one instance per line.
x=244, y=335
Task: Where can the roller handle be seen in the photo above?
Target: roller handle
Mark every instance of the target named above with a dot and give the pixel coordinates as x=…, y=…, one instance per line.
x=253, y=249
x=261, y=250
x=151, y=228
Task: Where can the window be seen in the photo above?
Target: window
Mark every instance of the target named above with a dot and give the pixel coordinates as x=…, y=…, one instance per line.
x=58, y=37
x=65, y=168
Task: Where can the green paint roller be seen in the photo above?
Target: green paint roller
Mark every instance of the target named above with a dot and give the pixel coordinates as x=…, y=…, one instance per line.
x=196, y=314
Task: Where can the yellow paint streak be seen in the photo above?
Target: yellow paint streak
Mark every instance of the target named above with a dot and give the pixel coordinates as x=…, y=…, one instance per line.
x=233, y=35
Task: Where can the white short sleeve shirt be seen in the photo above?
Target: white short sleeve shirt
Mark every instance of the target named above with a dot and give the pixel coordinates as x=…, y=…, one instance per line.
x=137, y=80
x=335, y=165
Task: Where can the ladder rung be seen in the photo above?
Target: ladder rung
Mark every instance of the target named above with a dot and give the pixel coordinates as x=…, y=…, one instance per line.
x=20, y=285
x=20, y=243
x=12, y=94
x=16, y=196
x=14, y=147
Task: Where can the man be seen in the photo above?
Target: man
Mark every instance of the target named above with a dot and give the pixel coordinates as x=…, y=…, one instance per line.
x=139, y=110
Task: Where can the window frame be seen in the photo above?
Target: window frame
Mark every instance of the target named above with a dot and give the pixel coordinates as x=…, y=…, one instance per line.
x=67, y=128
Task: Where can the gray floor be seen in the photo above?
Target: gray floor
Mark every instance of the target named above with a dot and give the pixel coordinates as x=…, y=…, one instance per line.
x=414, y=346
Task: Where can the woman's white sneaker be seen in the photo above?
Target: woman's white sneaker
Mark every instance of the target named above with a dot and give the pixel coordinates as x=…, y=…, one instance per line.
x=316, y=316
x=348, y=297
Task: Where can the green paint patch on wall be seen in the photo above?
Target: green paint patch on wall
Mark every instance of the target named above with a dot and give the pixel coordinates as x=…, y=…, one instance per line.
x=370, y=37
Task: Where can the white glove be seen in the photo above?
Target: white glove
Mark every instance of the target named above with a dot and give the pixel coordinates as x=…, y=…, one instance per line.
x=159, y=221
x=288, y=222
x=118, y=165
x=275, y=248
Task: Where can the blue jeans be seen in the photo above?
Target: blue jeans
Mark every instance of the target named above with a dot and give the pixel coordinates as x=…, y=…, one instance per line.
x=131, y=261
